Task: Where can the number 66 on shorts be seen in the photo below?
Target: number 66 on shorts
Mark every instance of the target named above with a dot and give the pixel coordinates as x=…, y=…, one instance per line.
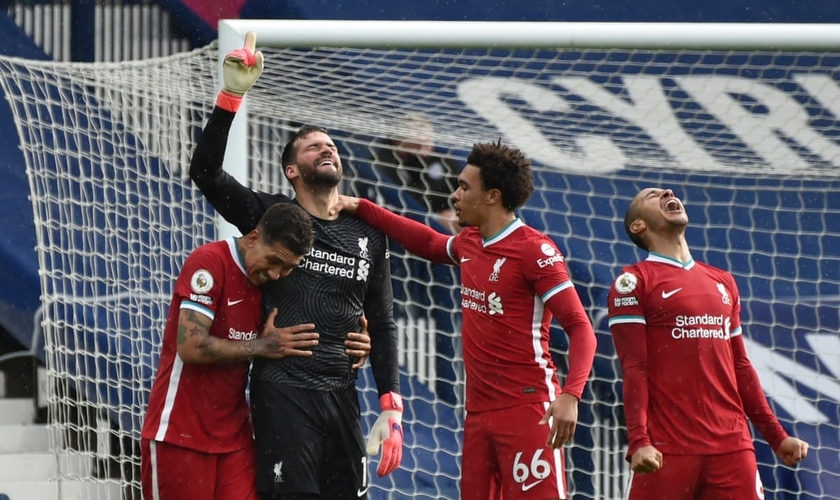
x=504, y=451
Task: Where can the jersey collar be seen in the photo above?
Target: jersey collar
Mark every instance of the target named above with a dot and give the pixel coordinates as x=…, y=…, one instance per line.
x=236, y=255
x=655, y=257
x=513, y=226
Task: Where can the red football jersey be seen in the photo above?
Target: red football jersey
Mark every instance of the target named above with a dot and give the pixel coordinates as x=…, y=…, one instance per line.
x=203, y=406
x=505, y=281
x=690, y=312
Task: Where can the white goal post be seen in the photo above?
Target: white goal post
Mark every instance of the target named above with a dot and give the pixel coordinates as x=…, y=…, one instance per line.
x=530, y=35
x=743, y=121
x=509, y=35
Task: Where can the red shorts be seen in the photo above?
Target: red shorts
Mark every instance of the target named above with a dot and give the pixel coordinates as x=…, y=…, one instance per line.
x=505, y=454
x=731, y=476
x=169, y=472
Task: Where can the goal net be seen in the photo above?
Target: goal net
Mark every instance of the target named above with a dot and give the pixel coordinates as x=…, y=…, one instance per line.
x=747, y=138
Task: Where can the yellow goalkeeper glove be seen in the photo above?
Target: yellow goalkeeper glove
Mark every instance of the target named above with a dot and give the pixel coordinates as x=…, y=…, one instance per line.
x=240, y=70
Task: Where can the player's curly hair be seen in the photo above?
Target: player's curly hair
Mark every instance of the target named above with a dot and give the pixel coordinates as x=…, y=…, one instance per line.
x=289, y=224
x=290, y=149
x=506, y=169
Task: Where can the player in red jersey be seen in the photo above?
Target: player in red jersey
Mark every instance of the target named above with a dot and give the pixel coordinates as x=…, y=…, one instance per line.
x=689, y=386
x=196, y=438
x=513, y=281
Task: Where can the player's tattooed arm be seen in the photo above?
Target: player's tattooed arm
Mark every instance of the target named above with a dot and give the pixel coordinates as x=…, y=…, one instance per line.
x=196, y=345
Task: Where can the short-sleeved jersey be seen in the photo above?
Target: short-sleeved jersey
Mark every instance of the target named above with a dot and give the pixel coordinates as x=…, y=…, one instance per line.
x=203, y=406
x=690, y=312
x=505, y=281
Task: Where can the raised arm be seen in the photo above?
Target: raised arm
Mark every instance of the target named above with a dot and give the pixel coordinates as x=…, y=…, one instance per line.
x=238, y=204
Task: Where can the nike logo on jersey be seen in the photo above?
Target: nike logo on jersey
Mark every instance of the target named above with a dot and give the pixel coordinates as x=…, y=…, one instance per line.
x=361, y=492
x=234, y=302
x=526, y=487
x=464, y=259
x=665, y=294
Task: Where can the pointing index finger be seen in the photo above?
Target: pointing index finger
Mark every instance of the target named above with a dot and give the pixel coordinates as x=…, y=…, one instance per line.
x=251, y=40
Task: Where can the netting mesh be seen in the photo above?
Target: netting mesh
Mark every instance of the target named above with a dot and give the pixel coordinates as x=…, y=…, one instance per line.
x=748, y=140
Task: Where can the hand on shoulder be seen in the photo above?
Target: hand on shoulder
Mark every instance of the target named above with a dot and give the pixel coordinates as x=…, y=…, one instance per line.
x=347, y=204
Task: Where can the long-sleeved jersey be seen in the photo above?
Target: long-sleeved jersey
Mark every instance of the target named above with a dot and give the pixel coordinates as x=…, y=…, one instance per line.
x=512, y=285
x=688, y=384
x=345, y=275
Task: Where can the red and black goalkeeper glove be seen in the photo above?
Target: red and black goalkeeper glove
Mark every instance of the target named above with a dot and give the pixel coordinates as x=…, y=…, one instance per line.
x=387, y=433
x=241, y=69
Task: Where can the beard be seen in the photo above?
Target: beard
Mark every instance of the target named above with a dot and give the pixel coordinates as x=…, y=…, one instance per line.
x=318, y=180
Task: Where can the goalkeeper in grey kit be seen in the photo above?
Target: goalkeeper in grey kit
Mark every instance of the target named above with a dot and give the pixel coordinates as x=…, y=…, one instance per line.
x=306, y=413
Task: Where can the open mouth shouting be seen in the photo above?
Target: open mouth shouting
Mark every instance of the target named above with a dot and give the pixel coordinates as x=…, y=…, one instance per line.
x=672, y=206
